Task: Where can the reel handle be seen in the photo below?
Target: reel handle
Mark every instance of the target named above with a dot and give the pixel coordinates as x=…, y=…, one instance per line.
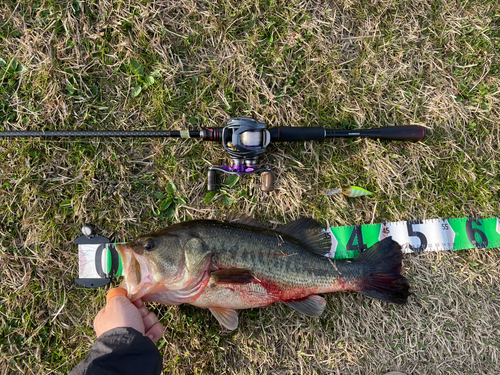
x=266, y=177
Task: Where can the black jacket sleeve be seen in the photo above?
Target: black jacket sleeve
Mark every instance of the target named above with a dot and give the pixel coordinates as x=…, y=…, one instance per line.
x=121, y=351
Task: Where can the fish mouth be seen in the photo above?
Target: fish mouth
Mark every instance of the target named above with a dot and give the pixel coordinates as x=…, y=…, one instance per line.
x=137, y=275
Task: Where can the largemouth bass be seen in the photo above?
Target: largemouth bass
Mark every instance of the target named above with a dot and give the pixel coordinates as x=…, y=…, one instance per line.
x=239, y=264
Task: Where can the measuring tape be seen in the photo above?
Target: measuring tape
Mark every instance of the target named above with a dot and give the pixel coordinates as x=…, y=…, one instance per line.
x=99, y=261
x=417, y=236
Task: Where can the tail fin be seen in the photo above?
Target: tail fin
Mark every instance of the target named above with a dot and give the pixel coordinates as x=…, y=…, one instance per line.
x=382, y=265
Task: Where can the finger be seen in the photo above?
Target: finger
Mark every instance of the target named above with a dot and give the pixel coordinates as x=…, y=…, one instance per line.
x=117, y=302
x=137, y=303
x=155, y=332
x=144, y=311
x=149, y=321
x=115, y=292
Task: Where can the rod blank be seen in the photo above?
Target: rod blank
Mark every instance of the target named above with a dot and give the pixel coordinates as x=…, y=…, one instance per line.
x=97, y=134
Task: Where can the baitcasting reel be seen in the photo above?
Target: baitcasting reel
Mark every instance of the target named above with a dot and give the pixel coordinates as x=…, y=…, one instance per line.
x=244, y=139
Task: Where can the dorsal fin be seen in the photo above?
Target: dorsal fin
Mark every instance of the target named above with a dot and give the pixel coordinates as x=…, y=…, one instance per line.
x=311, y=233
x=234, y=217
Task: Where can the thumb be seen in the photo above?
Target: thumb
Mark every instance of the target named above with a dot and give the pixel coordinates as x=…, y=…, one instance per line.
x=115, y=292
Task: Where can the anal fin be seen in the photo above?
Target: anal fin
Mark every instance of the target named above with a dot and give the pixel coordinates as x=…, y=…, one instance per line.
x=228, y=318
x=312, y=305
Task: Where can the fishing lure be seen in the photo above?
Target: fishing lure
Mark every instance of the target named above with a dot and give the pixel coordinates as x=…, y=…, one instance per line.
x=349, y=191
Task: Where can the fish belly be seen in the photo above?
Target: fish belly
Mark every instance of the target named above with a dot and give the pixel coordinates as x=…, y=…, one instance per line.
x=235, y=296
x=250, y=295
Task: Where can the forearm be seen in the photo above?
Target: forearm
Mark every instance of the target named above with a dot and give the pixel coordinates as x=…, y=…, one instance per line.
x=121, y=351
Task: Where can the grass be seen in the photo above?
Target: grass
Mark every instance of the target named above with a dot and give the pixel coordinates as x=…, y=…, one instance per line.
x=187, y=65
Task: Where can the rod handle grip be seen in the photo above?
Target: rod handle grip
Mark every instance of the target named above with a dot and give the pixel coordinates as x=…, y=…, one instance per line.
x=413, y=133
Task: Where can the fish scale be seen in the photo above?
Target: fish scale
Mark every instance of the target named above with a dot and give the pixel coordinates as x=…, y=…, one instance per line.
x=273, y=258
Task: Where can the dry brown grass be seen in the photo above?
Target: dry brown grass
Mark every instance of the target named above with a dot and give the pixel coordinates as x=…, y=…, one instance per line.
x=344, y=64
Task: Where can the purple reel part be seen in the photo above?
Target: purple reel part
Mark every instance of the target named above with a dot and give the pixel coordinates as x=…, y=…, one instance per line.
x=239, y=169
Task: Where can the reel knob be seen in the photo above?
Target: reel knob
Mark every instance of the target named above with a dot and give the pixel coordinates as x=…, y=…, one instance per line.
x=267, y=181
x=212, y=183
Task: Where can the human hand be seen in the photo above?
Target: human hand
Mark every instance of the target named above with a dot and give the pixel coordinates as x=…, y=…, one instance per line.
x=120, y=312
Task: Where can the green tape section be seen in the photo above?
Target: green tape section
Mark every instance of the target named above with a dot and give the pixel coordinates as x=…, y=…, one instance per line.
x=482, y=231
x=350, y=242
x=119, y=271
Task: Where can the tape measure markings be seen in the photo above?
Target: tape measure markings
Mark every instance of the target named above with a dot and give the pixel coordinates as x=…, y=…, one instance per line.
x=417, y=236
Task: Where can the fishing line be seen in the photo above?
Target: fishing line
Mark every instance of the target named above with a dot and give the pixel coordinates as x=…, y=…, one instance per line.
x=82, y=141
x=99, y=261
x=69, y=179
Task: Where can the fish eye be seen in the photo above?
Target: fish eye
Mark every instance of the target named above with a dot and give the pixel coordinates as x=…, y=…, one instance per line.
x=149, y=245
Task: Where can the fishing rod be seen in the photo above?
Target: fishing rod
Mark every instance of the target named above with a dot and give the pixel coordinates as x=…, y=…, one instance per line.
x=244, y=140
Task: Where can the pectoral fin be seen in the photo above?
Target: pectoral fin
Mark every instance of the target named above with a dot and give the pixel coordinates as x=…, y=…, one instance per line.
x=228, y=318
x=313, y=305
x=232, y=276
